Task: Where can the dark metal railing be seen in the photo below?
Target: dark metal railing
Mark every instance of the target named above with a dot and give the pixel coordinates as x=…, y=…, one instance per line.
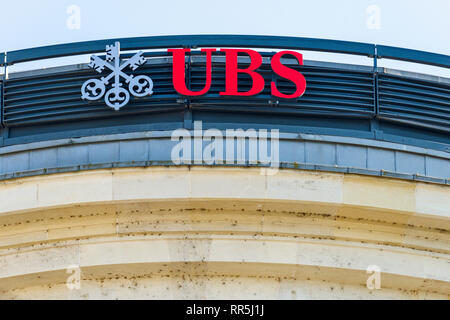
x=248, y=41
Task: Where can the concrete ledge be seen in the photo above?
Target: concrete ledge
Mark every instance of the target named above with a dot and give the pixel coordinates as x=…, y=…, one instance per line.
x=305, y=152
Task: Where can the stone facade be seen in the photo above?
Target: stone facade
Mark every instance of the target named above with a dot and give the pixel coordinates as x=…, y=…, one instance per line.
x=199, y=232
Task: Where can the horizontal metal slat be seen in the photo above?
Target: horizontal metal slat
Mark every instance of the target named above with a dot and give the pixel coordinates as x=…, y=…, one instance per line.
x=414, y=83
x=417, y=92
x=418, y=120
x=409, y=110
x=417, y=100
x=94, y=115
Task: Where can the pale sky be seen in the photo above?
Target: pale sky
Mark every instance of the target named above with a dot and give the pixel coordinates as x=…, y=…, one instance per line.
x=417, y=24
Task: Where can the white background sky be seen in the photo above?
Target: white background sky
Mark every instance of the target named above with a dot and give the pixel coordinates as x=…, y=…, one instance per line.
x=417, y=24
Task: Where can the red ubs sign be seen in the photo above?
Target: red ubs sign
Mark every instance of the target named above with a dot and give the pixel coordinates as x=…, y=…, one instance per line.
x=232, y=70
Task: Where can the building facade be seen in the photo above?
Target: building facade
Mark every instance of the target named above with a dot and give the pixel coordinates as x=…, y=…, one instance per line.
x=342, y=193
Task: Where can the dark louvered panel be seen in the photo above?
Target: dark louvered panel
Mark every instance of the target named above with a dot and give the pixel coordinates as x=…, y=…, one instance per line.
x=329, y=91
x=332, y=91
x=32, y=99
x=416, y=102
x=57, y=96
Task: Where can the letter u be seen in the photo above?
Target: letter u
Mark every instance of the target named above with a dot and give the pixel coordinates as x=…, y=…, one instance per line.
x=179, y=72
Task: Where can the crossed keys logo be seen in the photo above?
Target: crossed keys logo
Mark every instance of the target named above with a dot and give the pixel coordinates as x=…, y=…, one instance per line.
x=116, y=97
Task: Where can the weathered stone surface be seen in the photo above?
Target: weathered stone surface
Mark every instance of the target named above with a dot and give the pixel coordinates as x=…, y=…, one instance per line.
x=200, y=233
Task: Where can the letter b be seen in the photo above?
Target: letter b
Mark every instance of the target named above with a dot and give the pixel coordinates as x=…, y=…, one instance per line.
x=232, y=70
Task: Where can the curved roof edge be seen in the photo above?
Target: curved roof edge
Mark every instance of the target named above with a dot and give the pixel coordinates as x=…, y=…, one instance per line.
x=225, y=40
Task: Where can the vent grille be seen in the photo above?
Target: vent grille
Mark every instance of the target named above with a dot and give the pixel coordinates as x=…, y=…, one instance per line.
x=332, y=91
x=57, y=97
x=415, y=102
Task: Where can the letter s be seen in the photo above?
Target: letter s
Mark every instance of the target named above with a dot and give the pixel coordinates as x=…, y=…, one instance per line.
x=296, y=77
